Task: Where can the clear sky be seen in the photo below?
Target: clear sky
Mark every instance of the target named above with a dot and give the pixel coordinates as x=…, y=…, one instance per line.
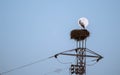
x=31, y=30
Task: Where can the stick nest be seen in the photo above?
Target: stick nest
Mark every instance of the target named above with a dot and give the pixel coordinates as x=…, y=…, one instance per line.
x=79, y=34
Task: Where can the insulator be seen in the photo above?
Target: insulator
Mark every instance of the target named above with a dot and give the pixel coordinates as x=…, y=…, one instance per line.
x=72, y=69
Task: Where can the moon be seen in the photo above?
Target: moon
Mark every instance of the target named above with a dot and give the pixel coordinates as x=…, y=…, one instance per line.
x=83, y=22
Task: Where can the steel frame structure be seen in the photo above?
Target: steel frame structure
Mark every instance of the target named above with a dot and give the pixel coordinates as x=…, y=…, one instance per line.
x=81, y=52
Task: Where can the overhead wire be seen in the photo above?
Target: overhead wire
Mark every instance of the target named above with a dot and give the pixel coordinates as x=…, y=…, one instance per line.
x=63, y=62
x=91, y=64
x=26, y=65
x=56, y=55
x=29, y=64
x=41, y=60
x=88, y=50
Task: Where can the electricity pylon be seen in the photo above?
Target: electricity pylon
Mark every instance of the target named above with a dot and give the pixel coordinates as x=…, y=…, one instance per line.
x=81, y=52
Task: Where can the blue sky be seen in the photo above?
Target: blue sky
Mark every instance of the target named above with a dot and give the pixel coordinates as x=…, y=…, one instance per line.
x=35, y=29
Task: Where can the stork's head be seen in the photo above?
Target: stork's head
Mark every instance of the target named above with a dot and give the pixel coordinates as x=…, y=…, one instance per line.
x=83, y=22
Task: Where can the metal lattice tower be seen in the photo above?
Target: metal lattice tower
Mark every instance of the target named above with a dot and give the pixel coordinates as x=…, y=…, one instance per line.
x=81, y=52
x=80, y=37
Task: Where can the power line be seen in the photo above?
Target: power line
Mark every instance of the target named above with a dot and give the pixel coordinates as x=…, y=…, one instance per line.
x=29, y=64
x=41, y=60
x=26, y=65
x=63, y=62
